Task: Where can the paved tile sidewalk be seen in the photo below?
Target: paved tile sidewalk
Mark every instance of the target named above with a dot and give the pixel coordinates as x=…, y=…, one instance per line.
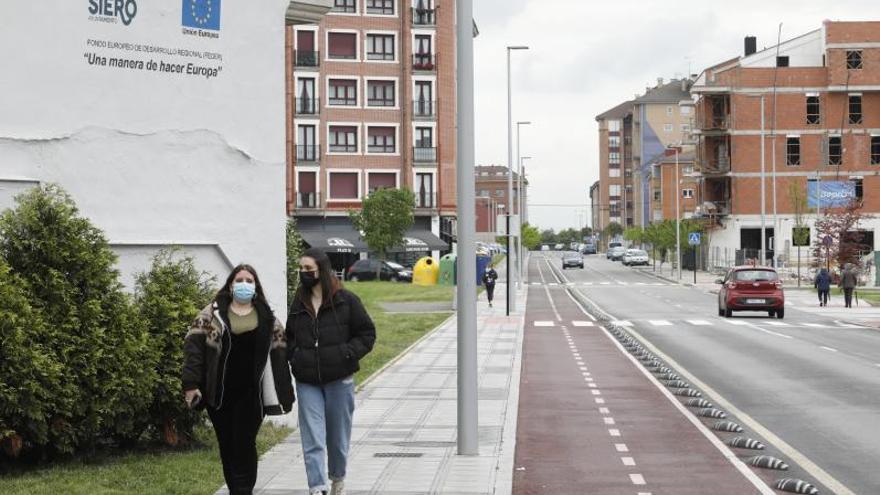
x=404, y=436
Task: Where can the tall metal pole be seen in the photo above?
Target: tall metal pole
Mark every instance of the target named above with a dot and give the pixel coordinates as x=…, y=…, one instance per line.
x=523, y=275
x=511, y=294
x=677, y=216
x=519, y=207
x=763, y=190
x=773, y=143
x=468, y=434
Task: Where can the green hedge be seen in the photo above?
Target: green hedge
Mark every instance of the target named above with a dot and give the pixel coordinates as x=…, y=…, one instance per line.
x=82, y=364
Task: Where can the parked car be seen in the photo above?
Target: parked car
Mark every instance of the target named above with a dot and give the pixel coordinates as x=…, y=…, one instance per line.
x=616, y=253
x=545, y=247
x=750, y=288
x=572, y=259
x=559, y=247
x=362, y=270
x=634, y=257
x=589, y=249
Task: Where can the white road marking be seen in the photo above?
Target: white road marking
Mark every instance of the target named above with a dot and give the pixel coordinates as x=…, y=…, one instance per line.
x=600, y=400
x=778, y=324
x=831, y=349
x=596, y=392
x=699, y=323
x=637, y=479
x=621, y=447
x=604, y=283
x=583, y=368
x=582, y=323
x=628, y=461
x=738, y=323
x=604, y=410
x=815, y=325
x=622, y=323
x=660, y=323
x=848, y=325
x=614, y=432
x=552, y=284
x=777, y=334
x=609, y=421
x=588, y=379
x=544, y=324
x=592, y=385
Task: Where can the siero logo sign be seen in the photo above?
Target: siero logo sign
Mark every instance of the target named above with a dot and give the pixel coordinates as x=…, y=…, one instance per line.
x=111, y=10
x=200, y=17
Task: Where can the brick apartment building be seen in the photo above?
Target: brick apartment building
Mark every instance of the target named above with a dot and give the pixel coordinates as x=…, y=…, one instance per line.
x=666, y=185
x=371, y=104
x=490, y=183
x=823, y=135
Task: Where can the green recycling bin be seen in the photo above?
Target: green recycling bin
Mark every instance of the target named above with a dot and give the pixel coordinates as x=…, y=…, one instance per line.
x=447, y=270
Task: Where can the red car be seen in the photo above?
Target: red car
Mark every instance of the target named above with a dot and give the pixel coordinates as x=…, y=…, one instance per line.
x=751, y=288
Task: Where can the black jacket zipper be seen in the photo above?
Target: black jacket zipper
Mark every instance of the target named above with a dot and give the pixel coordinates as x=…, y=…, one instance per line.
x=317, y=350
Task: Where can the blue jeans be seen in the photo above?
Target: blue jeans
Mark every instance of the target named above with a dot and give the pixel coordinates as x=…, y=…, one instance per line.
x=325, y=413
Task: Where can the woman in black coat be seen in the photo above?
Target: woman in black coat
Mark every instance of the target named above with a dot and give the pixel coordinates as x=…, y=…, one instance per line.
x=329, y=331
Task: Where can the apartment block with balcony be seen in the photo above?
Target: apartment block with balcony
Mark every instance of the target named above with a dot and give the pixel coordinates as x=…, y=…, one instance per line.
x=614, y=193
x=820, y=131
x=371, y=104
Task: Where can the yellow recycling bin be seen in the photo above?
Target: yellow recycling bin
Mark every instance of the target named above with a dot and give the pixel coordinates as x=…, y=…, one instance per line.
x=426, y=271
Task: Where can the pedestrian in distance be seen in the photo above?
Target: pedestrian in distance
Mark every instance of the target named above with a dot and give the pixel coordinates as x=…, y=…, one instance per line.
x=489, y=278
x=823, y=284
x=848, y=281
x=329, y=332
x=236, y=367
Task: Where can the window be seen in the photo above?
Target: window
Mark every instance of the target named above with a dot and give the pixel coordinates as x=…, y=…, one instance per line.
x=381, y=180
x=853, y=59
x=668, y=127
x=380, y=47
x=306, y=104
x=685, y=128
x=793, y=151
x=380, y=7
x=614, y=190
x=307, y=189
x=343, y=92
x=381, y=94
x=813, y=109
x=381, y=140
x=858, y=185
x=875, y=150
x=614, y=158
x=669, y=110
x=614, y=172
x=613, y=126
x=855, y=109
x=499, y=192
x=306, y=149
x=345, y=6
x=342, y=46
x=687, y=193
x=614, y=141
x=424, y=191
x=423, y=58
x=835, y=150
x=686, y=109
x=687, y=170
x=483, y=193
x=423, y=94
x=782, y=61
x=344, y=185
x=657, y=196
x=424, y=137
x=343, y=139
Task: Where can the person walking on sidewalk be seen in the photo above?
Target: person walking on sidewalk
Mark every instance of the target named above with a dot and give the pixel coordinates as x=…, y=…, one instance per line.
x=489, y=278
x=330, y=331
x=236, y=367
x=823, y=284
x=848, y=281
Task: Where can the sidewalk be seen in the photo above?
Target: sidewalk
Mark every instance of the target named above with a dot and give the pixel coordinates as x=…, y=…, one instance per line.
x=404, y=435
x=803, y=298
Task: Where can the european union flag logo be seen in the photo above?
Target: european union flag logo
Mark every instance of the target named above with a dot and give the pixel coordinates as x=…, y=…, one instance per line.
x=201, y=14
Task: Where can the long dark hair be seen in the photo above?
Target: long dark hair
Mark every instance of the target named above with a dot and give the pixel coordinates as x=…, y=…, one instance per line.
x=224, y=295
x=326, y=276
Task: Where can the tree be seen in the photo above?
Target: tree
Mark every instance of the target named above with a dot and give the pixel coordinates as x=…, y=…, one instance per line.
x=800, y=233
x=613, y=230
x=841, y=225
x=635, y=235
x=531, y=238
x=67, y=268
x=168, y=298
x=294, y=252
x=385, y=216
x=548, y=236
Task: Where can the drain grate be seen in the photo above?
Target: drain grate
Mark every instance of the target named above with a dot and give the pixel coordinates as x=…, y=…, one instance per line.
x=398, y=454
x=425, y=444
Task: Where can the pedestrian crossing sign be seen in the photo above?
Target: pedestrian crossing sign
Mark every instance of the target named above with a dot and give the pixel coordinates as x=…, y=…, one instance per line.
x=694, y=238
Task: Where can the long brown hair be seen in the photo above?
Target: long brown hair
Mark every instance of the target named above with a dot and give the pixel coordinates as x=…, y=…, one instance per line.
x=224, y=295
x=326, y=277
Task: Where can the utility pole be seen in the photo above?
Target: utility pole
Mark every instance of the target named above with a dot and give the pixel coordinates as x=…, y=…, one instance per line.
x=511, y=293
x=763, y=259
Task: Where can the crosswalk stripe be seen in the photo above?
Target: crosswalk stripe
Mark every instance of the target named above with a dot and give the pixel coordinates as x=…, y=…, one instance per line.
x=604, y=283
x=778, y=324
x=544, y=324
x=660, y=323
x=815, y=325
x=582, y=323
x=699, y=323
x=737, y=323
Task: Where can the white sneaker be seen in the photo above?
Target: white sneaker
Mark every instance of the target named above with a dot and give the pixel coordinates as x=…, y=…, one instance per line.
x=337, y=488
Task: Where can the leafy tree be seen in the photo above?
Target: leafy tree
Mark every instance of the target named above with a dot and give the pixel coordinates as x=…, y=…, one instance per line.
x=385, y=216
x=841, y=224
x=613, y=230
x=531, y=238
x=636, y=235
x=294, y=252
x=548, y=236
x=66, y=266
x=168, y=298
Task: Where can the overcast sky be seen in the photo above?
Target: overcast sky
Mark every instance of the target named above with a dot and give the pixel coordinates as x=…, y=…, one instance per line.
x=588, y=56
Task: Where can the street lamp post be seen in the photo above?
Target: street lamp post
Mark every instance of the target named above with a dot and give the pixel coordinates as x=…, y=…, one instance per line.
x=520, y=208
x=678, y=216
x=511, y=294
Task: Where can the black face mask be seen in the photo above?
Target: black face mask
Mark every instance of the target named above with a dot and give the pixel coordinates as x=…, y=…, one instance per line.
x=308, y=279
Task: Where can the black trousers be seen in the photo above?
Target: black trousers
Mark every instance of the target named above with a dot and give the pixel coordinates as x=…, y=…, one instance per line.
x=236, y=424
x=823, y=296
x=490, y=291
x=847, y=297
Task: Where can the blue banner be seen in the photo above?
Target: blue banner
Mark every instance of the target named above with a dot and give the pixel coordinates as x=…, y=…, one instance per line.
x=830, y=194
x=201, y=14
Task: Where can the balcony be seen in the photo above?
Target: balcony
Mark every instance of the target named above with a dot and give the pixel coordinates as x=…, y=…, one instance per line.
x=422, y=154
x=425, y=62
x=423, y=110
x=308, y=200
x=306, y=58
x=306, y=153
x=426, y=200
x=715, y=155
x=424, y=17
x=307, y=106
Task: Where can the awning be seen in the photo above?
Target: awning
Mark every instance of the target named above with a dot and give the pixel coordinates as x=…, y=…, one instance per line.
x=420, y=241
x=335, y=241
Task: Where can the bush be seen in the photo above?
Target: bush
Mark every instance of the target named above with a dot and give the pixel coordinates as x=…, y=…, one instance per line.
x=168, y=298
x=294, y=252
x=66, y=267
x=30, y=375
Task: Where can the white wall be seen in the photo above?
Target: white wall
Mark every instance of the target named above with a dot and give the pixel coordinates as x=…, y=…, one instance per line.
x=803, y=51
x=153, y=158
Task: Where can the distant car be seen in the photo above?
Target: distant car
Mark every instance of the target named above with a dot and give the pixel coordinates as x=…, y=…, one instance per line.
x=614, y=244
x=751, y=288
x=559, y=247
x=363, y=270
x=545, y=247
x=589, y=249
x=572, y=259
x=616, y=253
x=634, y=257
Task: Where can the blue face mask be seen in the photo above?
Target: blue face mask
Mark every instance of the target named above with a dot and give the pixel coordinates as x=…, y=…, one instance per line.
x=243, y=292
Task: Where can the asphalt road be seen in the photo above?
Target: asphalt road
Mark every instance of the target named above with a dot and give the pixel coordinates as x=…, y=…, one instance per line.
x=809, y=386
